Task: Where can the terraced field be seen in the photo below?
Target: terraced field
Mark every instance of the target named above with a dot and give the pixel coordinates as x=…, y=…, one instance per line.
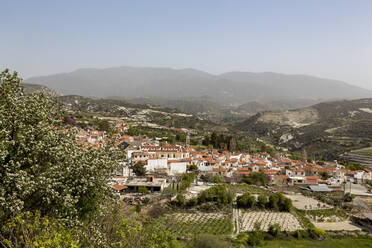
x=362, y=156
x=287, y=221
x=185, y=224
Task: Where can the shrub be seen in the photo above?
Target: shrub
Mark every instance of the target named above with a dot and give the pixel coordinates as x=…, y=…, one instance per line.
x=31, y=230
x=262, y=201
x=180, y=200
x=274, y=229
x=217, y=179
x=285, y=205
x=169, y=192
x=156, y=211
x=208, y=241
x=257, y=178
x=255, y=239
x=298, y=234
x=277, y=201
x=143, y=190
x=138, y=208
x=192, y=202
x=139, y=169
x=218, y=194
x=273, y=201
x=316, y=232
x=348, y=197
x=186, y=180
x=246, y=201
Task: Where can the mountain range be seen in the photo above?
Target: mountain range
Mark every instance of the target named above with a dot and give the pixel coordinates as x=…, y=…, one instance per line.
x=325, y=130
x=228, y=89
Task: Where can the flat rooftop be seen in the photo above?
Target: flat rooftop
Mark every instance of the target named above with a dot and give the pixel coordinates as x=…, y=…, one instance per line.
x=144, y=182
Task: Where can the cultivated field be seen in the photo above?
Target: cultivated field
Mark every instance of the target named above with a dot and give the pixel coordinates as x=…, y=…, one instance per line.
x=337, y=226
x=183, y=224
x=287, y=221
x=305, y=203
x=329, y=243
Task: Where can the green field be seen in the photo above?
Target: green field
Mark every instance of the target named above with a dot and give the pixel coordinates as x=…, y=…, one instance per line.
x=331, y=243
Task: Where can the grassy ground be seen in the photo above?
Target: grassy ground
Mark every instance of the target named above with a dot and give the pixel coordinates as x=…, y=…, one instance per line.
x=244, y=188
x=331, y=243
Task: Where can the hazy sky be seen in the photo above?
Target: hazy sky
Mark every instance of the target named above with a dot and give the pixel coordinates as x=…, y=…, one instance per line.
x=327, y=38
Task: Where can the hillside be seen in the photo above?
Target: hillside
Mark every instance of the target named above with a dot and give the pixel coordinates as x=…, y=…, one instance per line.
x=144, y=113
x=35, y=88
x=207, y=108
x=324, y=130
x=229, y=89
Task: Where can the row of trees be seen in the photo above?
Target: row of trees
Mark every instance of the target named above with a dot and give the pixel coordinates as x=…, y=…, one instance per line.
x=275, y=201
x=217, y=194
x=220, y=141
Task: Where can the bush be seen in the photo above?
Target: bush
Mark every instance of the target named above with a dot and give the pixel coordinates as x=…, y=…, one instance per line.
x=262, y=201
x=138, y=208
x=180, y=200
x=273, y=201
x=192, y=202
x=285, y=205
x=274, y=229
x=348, y=197
x=217, y=179
x=139, y=169
x=31, y=230
x=298, y=234
x=246, y=201
x=208, y=241
x=143, y=190
x=186, y=180
x=278, y=202
x=257, y=178
x=255, y=239
x=169, y=192
x=218, y=194
x=156, y=211
x=316, y=233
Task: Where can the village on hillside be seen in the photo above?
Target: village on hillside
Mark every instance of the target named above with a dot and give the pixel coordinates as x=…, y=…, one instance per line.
x=150, y=167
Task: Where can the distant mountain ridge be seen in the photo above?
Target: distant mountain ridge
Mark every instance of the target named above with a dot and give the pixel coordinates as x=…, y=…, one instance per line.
x=233, y=88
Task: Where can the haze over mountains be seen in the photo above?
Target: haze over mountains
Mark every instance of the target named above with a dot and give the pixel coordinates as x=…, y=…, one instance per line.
x=233, y=88
x=256, y=104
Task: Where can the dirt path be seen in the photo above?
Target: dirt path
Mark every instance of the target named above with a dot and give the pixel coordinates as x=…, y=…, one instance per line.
x=235, y=221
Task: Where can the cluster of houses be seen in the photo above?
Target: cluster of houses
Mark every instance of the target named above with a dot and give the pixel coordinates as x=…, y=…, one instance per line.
x=165, y=161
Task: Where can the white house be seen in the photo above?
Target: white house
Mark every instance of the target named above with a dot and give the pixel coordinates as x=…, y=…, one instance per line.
x=156, y=164
x=177, y=167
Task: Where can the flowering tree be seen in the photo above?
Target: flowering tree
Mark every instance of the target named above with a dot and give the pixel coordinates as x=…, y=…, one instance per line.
x=41, y=167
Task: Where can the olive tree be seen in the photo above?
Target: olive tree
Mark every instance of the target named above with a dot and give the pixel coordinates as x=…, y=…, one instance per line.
x=41, y=166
